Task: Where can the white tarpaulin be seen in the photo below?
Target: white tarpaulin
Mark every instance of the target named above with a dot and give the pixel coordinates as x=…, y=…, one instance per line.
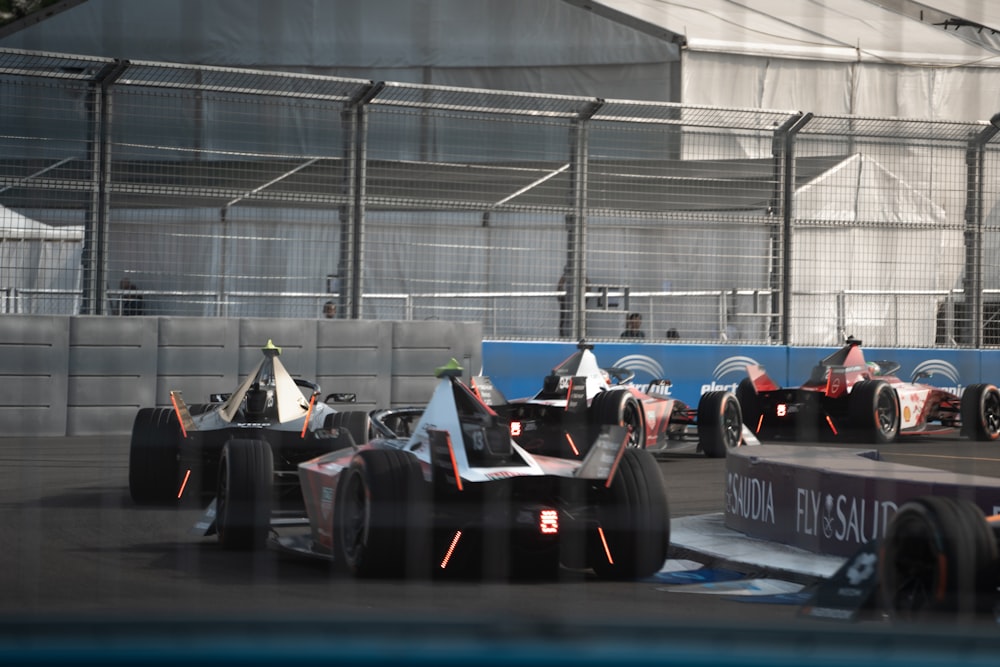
x=823, y=56
x=39, y=265
x=897, y=241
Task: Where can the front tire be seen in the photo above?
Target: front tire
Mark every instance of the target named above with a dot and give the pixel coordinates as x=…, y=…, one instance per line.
x=153, y=457
x=938, y=556
x=720, y=423
x=981, y=412
x=244, y=501
x=873, y=409
x=634, y=519
x=381, y=516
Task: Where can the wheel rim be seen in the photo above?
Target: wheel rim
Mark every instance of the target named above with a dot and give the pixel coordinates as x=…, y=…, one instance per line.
x=353, y=517
x=732, y=426
x=991, y=412
x=914, y=567
x=885, y=413
x=632, y=420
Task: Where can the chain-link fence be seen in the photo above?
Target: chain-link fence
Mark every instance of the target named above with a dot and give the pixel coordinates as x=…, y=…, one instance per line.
x=148, y=188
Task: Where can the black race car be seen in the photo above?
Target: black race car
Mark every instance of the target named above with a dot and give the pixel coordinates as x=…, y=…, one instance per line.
x=445, y=490
x=174, y=452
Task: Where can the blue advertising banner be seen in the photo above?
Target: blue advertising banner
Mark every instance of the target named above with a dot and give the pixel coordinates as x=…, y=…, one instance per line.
x=517, y=368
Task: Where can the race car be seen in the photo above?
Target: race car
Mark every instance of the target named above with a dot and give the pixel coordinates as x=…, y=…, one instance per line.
x=939, y=556
x=578, y=397
x=458, y=496
x=847, y=397
x=174, y=452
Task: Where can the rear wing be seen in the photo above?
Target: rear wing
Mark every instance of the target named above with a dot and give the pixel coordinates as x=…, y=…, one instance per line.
x=487, y=391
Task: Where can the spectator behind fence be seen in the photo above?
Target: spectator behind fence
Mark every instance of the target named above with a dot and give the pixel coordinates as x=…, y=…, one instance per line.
x=329, y=310
x=130, y=304
x=633, y=326
x=672, y=333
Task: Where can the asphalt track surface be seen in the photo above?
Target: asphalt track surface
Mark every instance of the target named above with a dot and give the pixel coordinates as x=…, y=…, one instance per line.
x=77, y=548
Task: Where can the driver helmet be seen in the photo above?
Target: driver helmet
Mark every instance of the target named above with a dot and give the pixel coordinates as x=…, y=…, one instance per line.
x=606, y=377
x=874, y=368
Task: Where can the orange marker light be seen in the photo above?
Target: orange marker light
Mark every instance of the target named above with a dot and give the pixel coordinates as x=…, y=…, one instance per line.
x=187, y=476
x=832, y=427
x=177, y=411
x=604, y=541
x=572, y=445
x=305, y=426
x=451, y=549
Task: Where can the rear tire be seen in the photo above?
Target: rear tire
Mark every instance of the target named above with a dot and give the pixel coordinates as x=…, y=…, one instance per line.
x=873, y=412
x=750, y=404
x=244, y=501
x=153, y=457
x=620, y=408
x=357, y=423
x=981, y=412
x=720, y=423
x=938, y=556
x=381, y=518
x=635, y=520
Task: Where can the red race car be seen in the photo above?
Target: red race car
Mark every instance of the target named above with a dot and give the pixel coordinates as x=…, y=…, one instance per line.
x=578, y=397
x=845, y=396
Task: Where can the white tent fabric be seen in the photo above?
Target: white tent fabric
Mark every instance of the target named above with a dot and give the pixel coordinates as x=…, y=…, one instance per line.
x=39, y=265
x=822, y=56
x=898, y=241
x=532, y=45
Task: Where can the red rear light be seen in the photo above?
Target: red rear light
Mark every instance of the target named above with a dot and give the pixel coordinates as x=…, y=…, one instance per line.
x=782, y=410
x=548, y=522
x=515, y=429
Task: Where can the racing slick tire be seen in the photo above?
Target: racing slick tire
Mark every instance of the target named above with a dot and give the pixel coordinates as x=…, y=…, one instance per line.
x=244, y=500
x=634, y=520
x=620, y=408
x=153, y=471
x=357, y=423
x=938, y=556
x=750, y=404
x=381, y=517
x=873, y=412
x=720, y=423
x=981, y=412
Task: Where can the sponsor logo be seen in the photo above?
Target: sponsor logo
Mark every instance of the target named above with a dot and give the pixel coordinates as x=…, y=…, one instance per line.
x=641, y=363
x=750, y=498
x=326, y=503
x=841, y=518
x=728, y=366
x=862, y=569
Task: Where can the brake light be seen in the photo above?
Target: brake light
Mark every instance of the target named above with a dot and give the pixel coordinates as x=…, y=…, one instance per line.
x=782, y=410
x=548, y=522
x=515, y=429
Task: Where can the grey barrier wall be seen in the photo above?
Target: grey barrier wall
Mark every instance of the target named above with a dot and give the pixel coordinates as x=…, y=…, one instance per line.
x=88, y=375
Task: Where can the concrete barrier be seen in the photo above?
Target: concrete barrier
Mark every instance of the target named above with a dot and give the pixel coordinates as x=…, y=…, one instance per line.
x=69, y=376
x=829, y=500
